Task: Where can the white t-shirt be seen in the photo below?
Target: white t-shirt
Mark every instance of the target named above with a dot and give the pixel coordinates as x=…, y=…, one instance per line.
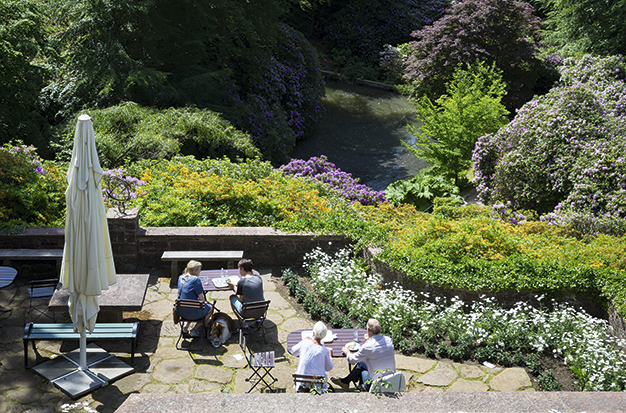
x=313, y=359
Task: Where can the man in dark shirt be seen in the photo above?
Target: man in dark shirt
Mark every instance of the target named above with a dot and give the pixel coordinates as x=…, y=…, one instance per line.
x=248, y=289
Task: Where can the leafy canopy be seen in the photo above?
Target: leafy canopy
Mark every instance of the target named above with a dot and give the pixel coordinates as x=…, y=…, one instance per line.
x=452, y=126
x=22, y=72
x=504, y=32
x=594, y=26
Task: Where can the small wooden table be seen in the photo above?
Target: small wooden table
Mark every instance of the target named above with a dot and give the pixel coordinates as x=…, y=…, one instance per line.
x=207, y=276
x=344, y=336
x=127, y=294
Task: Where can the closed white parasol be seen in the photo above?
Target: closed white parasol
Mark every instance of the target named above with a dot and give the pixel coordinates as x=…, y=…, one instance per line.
x=88, y=266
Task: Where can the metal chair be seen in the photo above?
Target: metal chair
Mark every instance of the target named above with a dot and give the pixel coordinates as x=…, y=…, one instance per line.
x=256, y=312
x=261, y=364
x=192, y=305
x=394, y=383
x=308, y=382
x=41, y=290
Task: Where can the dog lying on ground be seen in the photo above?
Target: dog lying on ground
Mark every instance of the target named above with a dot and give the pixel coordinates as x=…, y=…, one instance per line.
x=222, y=326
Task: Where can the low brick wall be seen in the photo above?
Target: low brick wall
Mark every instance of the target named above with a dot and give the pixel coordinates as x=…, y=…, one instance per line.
x=137, y=249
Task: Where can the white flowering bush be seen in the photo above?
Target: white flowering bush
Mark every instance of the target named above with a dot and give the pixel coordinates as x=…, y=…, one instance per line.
x=481, y=330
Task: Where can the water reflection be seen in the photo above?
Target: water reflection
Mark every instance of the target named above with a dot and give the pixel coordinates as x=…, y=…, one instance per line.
x=361, y=134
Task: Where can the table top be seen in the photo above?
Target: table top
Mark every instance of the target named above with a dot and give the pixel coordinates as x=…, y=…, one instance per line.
x=7, y=276
x=25, y=253
x=207, y=275
x=127, y=294
x=344, y=336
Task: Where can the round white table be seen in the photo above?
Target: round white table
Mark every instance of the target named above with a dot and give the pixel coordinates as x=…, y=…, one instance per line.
x=7, y=276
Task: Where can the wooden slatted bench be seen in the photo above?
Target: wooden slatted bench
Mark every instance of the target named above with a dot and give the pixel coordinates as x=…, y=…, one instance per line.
x=175, y=256
x=31, y=254
x=58, y=332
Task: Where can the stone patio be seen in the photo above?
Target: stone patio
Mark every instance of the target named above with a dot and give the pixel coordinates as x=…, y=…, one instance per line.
x=163, y=370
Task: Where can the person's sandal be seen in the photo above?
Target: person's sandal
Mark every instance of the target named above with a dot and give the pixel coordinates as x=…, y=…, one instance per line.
x=194, y=333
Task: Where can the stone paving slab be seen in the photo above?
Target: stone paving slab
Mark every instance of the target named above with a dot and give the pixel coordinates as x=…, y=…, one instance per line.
x=188, y=381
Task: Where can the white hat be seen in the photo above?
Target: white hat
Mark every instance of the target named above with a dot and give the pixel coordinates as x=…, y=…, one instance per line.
x=319, y=330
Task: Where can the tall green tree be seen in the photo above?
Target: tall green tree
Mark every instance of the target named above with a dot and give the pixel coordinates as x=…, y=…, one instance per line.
x=22, y=70
x=502, y=31
x=231, y=57
x=451, y=126
x=595, y=26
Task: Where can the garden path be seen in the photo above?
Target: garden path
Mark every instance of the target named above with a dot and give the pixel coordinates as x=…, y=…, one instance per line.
x=163, y=369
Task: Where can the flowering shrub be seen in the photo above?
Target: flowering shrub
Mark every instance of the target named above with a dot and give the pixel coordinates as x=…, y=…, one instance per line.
x=118, y=189
x=564, y=151
x=482, y=330
x=279, y=91
x=184, y=192
x=333, y=179
x=31, y=192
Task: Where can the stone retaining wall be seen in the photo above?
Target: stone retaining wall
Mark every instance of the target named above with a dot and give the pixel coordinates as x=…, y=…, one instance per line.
x=506, y=298
x=137, y=249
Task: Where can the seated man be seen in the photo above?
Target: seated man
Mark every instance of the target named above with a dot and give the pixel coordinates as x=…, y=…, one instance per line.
x=248, y=289
x=376, y=354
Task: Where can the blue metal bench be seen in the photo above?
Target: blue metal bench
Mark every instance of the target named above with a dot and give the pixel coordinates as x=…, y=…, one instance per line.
x=103, y=331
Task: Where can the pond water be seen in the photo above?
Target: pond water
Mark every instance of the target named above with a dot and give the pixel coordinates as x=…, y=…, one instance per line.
x=361, y=133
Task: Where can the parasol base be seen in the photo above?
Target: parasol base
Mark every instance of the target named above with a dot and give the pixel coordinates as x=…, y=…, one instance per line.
x=102, y=368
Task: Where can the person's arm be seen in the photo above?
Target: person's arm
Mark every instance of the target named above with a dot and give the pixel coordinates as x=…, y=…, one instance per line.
x=295, y=350
x=198, y=289
x=328, y=361
x=239, y=288
x=366, y=350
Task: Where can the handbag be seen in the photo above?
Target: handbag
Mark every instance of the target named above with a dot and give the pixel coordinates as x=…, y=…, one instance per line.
x=175, y=315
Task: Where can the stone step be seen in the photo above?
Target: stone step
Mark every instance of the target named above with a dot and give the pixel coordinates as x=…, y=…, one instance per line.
x=511, y=402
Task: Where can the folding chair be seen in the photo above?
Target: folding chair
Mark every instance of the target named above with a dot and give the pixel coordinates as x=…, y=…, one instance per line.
x=396, y=383
x=41, y=290
x=255, y=311
x=260, y=363
x=308, y=381
x=192, y=305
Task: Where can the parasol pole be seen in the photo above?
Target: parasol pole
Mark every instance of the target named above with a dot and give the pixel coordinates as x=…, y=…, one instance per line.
x=83, y=350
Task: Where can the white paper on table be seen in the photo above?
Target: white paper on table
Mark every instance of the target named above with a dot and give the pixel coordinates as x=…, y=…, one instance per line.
x=329, y=337
x=307, y=334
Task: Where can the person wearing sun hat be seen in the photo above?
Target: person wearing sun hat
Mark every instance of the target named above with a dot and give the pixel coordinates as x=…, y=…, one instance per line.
x=374, y=359
x=313, y=356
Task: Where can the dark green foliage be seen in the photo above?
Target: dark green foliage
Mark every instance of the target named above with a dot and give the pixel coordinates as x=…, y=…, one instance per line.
x=22, y=71
x=313, y=304
x=547, y=381
x=128, y=132
x=356, y=31
x=232, y=58
x=595, y=26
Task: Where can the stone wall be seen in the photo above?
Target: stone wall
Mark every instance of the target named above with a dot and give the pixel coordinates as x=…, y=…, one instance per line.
x=138, y=249
x=503, y=298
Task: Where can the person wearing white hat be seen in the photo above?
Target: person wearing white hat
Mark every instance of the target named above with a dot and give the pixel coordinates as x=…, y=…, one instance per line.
x=314, y=357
